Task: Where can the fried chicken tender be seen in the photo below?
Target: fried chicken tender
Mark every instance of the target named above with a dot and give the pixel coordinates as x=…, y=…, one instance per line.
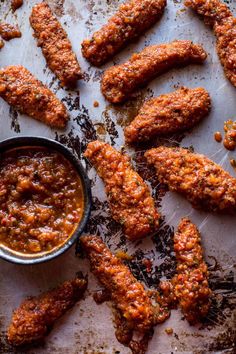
x=204, y=183
x=218, y=15
x=169, y=113
x=35, y=317
x=128, y=295
x=131, y=20
x=8, y=31
x=191, y=286
x=56, y=47
x=120, y=81
x=130, y=200
x=20, y=89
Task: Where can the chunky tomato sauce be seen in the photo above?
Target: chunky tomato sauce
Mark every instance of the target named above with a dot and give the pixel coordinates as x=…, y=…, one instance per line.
x=41, y=200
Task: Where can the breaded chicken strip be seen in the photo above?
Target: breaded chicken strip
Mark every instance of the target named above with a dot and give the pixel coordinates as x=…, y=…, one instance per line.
x=191, y=286
x=56, y=47
x=134, y=308
x=131, y=20
x=129, y=197
x=170, y=113
x=128, y=295
x=20, y=89
x=218, y=15
x=35, y=317
x=204, y=183
x=120, y=81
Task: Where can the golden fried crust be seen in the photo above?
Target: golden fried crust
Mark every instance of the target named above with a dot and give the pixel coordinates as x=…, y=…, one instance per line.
x=20, y=89
x=204, y=183
x=191, y=282
x=8, y=31
x=219, y=16
x=129, y=197
x=56, y=47
x=132, y=19
x=128, y=295
x=170, y=113
x=120, y=81
x=34, y=318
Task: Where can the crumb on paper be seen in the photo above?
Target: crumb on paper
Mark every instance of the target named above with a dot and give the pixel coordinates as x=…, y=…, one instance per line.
x=169, y=330
x=218, y=137
x=123, y=255
x=233, y=163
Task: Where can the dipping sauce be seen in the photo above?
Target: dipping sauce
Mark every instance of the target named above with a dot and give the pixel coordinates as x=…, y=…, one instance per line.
x=41, y=199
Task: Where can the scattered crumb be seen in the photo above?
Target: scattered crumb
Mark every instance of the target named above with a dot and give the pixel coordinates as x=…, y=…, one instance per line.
x=148, y=264
x=9, y=32
x=169, y=330
x=233, y=163
x=218, y=137
x=95, y=104
x=123, y=255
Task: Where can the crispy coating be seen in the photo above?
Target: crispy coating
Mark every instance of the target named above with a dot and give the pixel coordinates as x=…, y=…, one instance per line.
x=35, y=317
x=1, y=43
x=129, y=197
x=128, y=295
x=15, y=4
x=56, y=47
x=120, y=81
x=132, y=19
x=8, y=31
x=170, y=113
x=191, y=286
x=218, y=15
x=204, y=183
x=230, y=135
x=20, y=89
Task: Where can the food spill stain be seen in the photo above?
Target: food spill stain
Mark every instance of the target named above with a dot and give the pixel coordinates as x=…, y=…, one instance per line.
x=110, y=126
x=102, y=9
x=126, y=112
x=72, y=141
x=100, y=131
x=57, y=7
x=15, y=125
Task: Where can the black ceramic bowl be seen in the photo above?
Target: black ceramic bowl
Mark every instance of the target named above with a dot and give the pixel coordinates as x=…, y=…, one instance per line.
x=19, y=142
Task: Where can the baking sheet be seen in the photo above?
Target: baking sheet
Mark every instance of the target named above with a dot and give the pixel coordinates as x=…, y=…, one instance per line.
x=88, y=329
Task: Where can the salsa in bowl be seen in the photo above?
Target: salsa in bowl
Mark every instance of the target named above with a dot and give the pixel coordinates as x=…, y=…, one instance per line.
x=45, y=199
